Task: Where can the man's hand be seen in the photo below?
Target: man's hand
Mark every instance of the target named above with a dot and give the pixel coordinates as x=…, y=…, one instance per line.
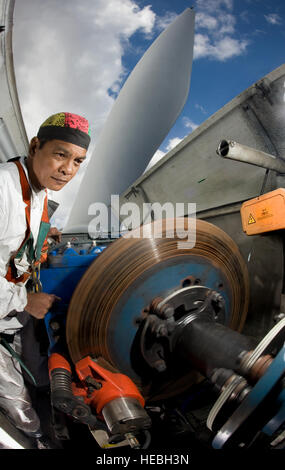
x=54, y=234
x=39, y=303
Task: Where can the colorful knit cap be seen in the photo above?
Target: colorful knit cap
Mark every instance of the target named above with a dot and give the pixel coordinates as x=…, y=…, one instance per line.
x=67, y=127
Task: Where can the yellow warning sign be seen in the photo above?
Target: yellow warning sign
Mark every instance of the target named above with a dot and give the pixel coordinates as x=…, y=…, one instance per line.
x=251, y=219
x=264, y=213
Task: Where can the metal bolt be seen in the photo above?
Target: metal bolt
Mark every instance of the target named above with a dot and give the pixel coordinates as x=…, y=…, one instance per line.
x=161, y=330
x=132, y=440
x=79, y=412
x=278, y=317
x=54, y=325
x=63, y=406
x=167, y=311
x=160, y=366
x=93, y=383
x=217, y=297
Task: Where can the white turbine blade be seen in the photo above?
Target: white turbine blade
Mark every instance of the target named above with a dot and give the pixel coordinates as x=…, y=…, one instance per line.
x=143, y=114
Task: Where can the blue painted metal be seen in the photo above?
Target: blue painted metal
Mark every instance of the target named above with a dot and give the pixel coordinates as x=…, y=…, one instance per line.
x=276, y=422
x=157, y=283
x=64, y=271
x=60, y=277
x=254, y=399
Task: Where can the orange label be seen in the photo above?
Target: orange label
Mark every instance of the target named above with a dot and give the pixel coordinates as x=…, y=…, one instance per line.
x=264, y=213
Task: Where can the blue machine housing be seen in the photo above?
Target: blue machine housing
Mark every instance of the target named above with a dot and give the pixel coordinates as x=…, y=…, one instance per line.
x=60, y=276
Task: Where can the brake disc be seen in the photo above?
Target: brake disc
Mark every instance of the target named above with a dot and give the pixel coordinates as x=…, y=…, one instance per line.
x=102, y=318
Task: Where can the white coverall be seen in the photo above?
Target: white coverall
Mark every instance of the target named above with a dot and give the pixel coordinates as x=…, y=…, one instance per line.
x=14, y=397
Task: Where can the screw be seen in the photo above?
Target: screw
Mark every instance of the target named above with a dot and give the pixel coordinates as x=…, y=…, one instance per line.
x=167, y=311
x=79, y=412
x=278, y=317
x=161, y=330
x=217, y=297
x=160, y=366
x=54, y=325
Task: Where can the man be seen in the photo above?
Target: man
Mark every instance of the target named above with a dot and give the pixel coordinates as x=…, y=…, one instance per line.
x=54, y=158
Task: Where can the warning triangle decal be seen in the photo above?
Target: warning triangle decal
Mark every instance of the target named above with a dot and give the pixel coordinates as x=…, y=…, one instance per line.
x=251, y=219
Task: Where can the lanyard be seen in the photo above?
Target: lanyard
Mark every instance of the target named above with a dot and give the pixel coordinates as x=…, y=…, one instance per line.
x=35, y=255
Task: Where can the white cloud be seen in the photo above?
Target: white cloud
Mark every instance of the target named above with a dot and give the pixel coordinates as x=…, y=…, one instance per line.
x=173, y=143
x=67, y=55
x=203, y=20
x=201, y=108
x=122, y=17
x=189, y=124
x=229, y=47
x=159, y=153
x=273, y=18
x=156, y=157
x=227, y=24
x=221, y=50
x=213, y=5
x=202, y=46
x=216, y=30
x=163, y=21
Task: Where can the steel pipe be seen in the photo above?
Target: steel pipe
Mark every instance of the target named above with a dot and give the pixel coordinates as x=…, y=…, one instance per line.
x=241, y=153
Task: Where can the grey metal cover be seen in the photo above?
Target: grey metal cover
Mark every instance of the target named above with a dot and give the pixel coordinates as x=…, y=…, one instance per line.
x=13, y=137
x=193, y=172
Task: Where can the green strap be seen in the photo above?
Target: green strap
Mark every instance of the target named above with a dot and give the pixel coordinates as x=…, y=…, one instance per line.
x=26, y=247
x=16, y=356
x=43, y=231
x=34, y=254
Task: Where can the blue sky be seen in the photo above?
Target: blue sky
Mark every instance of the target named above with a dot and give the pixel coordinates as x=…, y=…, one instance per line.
x=255, y=33
x=72, y=55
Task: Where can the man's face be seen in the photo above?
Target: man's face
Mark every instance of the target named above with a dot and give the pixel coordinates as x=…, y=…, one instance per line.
x=55, y=164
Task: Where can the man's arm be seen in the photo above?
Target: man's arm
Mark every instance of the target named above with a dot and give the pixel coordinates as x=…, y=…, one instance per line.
x=38, y=304
x=14, y=297
x=55, y=234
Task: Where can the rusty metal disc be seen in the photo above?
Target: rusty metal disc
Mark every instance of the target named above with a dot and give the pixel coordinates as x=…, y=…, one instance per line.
x=150, y=262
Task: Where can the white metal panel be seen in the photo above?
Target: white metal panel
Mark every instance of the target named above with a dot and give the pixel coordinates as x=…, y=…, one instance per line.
x=13, y=137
